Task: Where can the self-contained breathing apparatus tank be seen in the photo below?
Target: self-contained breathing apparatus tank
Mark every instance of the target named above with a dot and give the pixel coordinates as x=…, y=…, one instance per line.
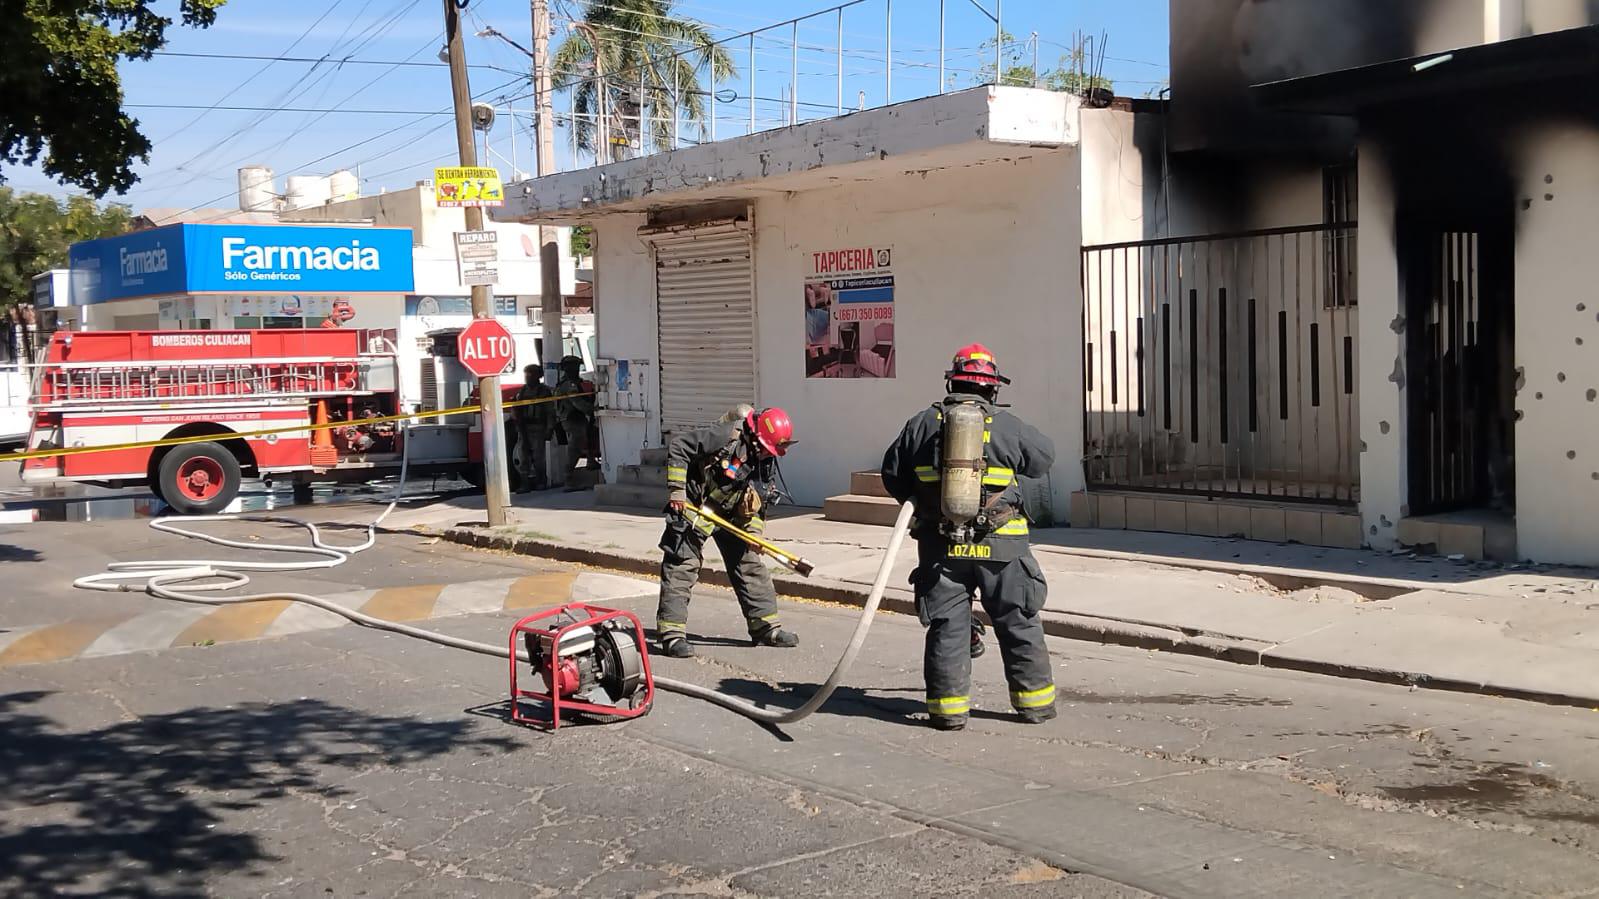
x=961, y=468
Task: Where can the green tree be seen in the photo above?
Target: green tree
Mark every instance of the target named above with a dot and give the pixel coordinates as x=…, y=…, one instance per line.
x=634, y=35
x=60, y=93
x=37, y=229
x=1018, y=70
x=582, y=240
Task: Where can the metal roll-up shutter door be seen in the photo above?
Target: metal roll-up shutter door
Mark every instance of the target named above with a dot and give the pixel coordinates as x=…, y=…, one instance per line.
x=705, y=297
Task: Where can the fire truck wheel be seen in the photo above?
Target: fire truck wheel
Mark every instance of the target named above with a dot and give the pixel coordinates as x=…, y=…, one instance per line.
x=199, y=479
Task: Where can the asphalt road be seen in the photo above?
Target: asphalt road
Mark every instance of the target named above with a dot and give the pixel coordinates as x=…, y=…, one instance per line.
x=348, y=762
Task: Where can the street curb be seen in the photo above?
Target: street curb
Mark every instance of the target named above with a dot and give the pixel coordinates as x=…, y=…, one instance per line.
x=1085, y=628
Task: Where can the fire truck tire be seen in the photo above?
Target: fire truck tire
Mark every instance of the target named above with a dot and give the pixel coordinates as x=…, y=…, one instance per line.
x=198, y=479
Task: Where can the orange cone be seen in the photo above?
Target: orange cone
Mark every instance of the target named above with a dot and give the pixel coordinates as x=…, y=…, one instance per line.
x=323, y=455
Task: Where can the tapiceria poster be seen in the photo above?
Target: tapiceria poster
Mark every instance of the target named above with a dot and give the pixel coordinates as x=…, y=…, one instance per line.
x=849, y=312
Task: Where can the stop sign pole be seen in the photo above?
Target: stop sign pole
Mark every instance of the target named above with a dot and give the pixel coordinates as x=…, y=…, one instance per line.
x=496, y=479
x=485, y=349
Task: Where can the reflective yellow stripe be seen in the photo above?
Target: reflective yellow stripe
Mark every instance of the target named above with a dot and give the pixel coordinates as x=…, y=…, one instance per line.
x=927, y=474
x=949, y=705
x=1016, y=527
x=771, y=617
x=675, y=475
x=671, y=625
x=999, y=477
x=1033, y=699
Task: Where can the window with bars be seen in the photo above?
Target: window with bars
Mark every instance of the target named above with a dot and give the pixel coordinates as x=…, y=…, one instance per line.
x=1339, y=196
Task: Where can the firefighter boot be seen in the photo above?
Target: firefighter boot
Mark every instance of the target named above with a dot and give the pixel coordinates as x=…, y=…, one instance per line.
x=1037, y=716
x=977, y=638
x=948, y=722
x=676, y=646
x=775, y=636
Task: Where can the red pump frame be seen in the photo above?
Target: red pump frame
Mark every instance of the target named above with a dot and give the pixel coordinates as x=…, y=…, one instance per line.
x=596, y=617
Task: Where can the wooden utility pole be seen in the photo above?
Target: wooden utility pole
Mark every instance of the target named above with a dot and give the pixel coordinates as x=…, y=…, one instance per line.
x=497, y=491
x=550, y=302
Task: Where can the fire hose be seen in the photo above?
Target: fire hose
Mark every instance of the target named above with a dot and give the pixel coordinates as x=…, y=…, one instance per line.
x=197, y=580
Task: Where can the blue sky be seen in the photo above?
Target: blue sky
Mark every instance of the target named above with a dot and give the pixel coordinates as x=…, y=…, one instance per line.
x=388, y=126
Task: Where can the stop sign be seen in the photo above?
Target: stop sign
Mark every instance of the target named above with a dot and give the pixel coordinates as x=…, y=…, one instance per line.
x=485, y=348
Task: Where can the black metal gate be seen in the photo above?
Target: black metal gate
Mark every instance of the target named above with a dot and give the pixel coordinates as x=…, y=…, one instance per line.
x=1457, y=351
x=1224, y=365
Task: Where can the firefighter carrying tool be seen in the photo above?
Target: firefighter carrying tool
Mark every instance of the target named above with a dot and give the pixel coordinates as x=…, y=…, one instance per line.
x=959, y=462
x=729, y=470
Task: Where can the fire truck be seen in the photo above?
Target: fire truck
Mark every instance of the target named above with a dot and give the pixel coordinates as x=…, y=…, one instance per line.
x=123, y=389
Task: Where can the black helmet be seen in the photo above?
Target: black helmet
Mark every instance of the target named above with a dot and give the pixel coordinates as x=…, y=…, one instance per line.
x=573, y=362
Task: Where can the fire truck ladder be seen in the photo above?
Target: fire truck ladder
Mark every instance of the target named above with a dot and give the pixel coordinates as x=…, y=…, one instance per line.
x=100, y=383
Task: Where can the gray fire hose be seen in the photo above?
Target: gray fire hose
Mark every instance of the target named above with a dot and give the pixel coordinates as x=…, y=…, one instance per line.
x=163, y=578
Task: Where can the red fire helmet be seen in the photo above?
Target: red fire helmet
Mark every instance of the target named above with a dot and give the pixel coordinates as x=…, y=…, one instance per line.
x=773, y=430
x=975, y=364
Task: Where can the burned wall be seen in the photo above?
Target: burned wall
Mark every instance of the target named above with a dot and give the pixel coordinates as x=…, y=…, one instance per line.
x=1219, y=48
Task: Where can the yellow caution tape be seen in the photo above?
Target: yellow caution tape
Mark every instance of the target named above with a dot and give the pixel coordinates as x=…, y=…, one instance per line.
x=266, y=432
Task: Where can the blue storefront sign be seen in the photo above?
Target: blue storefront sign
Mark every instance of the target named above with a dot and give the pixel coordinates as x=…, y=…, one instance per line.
x=300, y=259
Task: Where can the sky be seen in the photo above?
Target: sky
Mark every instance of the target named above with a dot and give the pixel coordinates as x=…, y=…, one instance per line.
x=349, y=106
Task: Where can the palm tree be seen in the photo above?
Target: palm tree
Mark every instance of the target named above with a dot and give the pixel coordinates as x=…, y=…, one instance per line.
x=634, y=37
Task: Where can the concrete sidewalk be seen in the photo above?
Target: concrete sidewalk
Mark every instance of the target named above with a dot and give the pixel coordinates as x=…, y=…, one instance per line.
x=1524, y=632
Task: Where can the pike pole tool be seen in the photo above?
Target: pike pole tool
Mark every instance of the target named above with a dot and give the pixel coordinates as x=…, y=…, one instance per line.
x=765, y=547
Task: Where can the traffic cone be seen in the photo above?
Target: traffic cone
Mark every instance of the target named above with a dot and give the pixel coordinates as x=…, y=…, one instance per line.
x=323, y=454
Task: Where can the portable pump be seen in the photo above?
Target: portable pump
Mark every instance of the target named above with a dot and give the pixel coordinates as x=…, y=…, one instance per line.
x=592, y=660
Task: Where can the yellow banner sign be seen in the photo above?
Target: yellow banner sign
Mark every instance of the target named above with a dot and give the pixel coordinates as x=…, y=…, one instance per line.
x=462, y=187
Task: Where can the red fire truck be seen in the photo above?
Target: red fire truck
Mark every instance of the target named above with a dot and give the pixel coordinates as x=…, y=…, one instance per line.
x=113, y=388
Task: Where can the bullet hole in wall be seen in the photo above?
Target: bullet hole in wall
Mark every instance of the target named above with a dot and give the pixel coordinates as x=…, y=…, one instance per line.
x=1520, y=415
x=1582, y=307
x=1537, y=396
x=1571, y=454
x=1526, y=203
x=1548, y=197
x=1383, y=426
x=1592, y=394
x=1383, y=520
x=1548, y=179
x=1561, y=377
x=1374, y=530
x=1579, y=341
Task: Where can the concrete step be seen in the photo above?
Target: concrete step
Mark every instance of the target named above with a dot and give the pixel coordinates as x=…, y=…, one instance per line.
x=641, y=474
x=879, y=510
x=866, y=483
x=633, y=496
x=654, y=455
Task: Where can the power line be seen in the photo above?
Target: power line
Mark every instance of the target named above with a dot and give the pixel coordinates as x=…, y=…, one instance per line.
x=346, y=61
x=258, y=72
x=294, y=91
x=323, y=110
x=361, y=143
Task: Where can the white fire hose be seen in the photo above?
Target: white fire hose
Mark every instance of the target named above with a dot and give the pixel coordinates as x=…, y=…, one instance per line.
x=198, y=580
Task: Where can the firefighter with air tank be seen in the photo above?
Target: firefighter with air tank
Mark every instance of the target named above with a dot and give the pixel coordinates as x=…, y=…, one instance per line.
x=959, y=462
x=730, y=470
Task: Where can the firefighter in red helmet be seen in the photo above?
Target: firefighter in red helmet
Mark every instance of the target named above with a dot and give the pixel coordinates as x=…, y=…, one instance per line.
x=730, y=468
x=959, y=462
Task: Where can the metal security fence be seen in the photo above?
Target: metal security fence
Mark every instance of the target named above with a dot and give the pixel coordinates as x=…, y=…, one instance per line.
x=1224, y=365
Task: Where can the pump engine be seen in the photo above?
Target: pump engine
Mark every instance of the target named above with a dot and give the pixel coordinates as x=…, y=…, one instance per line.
x=592, y=660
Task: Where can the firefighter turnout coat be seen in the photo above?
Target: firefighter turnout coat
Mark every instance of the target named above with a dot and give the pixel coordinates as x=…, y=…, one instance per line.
x=1012, y=449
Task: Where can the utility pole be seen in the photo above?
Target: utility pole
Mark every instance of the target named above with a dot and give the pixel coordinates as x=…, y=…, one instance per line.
x=550, y=303
x=497, y=492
